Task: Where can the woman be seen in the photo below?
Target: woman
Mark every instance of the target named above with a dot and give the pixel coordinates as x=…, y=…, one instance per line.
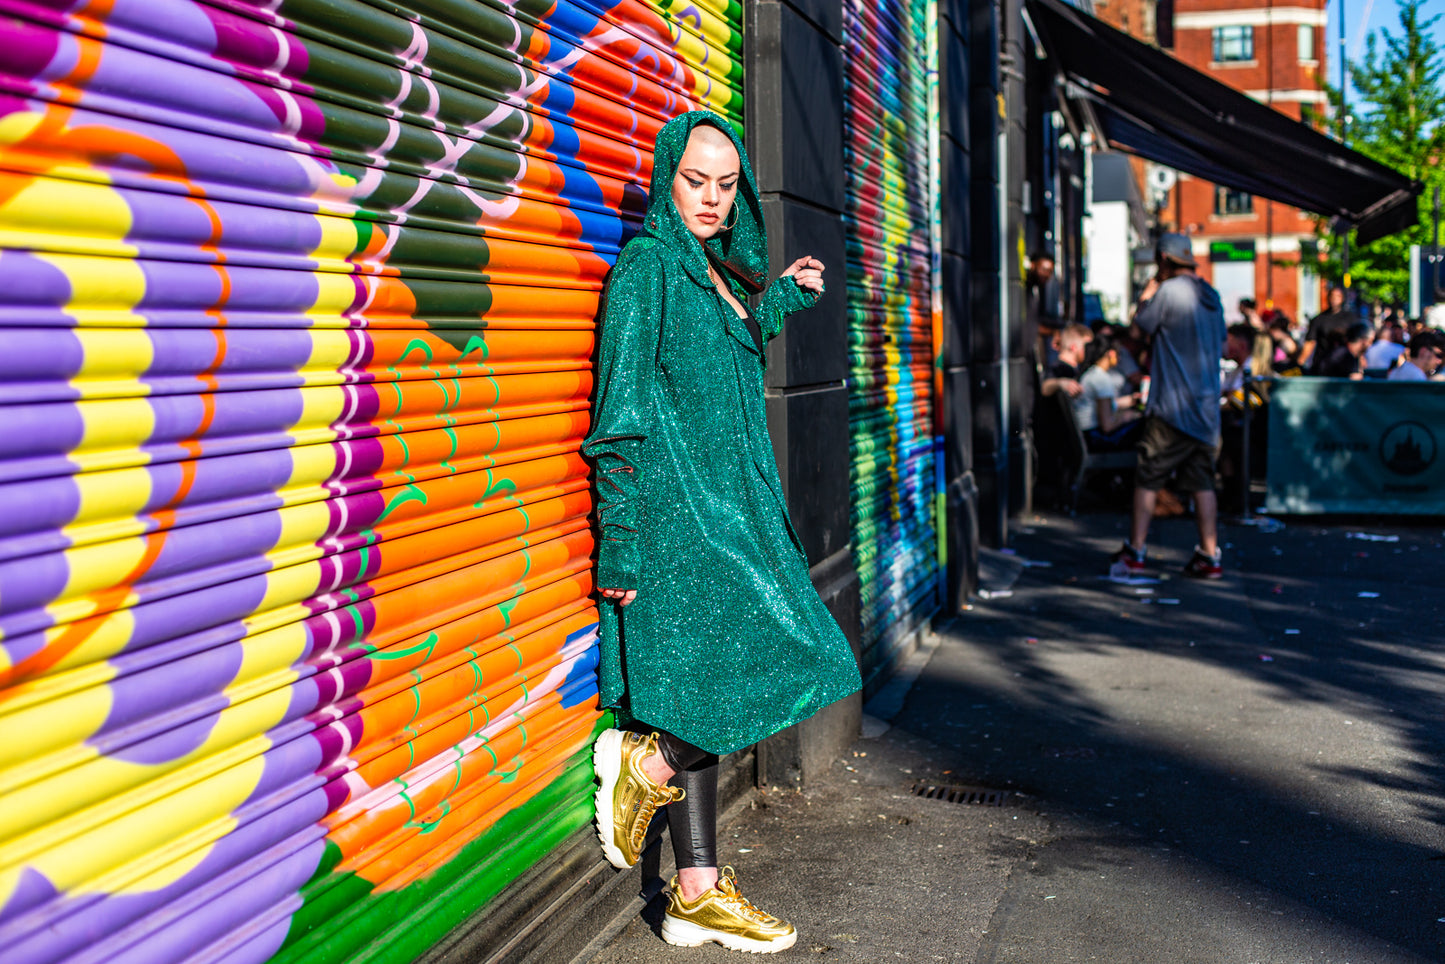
x=712, y=635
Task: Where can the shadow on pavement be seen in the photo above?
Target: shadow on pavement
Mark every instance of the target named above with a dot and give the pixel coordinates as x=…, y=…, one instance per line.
x=1276, y=734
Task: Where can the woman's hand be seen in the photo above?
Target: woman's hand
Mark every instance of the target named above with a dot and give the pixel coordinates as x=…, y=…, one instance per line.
x=807, y=272
x=621, y=596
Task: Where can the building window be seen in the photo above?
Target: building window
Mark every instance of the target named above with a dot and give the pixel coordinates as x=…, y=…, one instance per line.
x=1307, y=43
x=1233, y=44
x=1229, y=201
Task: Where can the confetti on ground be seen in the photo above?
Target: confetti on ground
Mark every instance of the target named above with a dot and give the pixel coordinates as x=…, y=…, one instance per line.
x=1368, y=595
x=1131, y=580
x=1291, y=632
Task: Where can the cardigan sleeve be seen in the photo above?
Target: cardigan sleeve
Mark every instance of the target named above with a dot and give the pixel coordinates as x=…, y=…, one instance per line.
x=622, y=412
x=783, y=297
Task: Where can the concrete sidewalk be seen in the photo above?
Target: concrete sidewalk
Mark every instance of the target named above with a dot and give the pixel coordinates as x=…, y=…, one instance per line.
x=1248, y=770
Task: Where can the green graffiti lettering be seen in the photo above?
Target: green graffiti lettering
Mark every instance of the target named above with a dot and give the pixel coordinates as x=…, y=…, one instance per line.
x=409, y=493
x=425, y=646
x=446, y=461
x=416, y=344
x=494, y=487
x=427, y=826
x=475, y=343
x=509, y=776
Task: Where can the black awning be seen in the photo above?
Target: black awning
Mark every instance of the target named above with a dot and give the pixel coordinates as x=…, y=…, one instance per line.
x=1145, y=102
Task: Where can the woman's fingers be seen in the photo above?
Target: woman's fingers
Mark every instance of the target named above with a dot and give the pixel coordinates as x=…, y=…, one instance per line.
x=622, y=596
x=806, y=261
x=810, y=278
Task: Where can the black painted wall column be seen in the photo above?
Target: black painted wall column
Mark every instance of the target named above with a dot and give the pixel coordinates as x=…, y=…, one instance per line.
x=985, y=349
x=794, y=103
x=1016, y=47
x=958, y=312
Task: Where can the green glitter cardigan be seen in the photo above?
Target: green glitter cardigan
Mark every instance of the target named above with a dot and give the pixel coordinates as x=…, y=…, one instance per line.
x=727, y=641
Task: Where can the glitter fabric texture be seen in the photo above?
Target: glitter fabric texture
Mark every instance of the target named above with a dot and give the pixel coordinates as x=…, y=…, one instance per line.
x=727, y=641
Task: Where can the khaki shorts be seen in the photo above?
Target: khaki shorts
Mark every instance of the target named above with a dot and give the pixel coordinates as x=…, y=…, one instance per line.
x=1164, y=450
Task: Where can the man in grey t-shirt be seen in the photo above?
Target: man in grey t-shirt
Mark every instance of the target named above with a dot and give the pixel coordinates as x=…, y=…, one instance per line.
x=1181, y=315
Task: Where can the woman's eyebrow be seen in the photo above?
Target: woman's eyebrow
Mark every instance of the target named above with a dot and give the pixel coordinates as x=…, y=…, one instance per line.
x=702, y=175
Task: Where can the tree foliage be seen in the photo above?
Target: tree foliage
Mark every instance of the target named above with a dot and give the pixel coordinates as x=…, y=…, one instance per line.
x=1398, y=119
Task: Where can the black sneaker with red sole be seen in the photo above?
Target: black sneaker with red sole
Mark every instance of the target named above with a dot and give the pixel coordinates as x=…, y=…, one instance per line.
x=1127, y=562
x=1203, y=566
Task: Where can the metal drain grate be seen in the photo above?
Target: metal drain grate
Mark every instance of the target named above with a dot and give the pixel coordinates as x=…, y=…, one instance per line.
x=977, y=796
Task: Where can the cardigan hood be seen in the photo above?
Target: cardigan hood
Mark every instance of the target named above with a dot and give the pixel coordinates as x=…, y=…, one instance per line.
x=743, y=250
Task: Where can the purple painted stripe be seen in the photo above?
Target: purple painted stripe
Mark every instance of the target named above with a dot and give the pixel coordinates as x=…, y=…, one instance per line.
x=288, y=837
x=31, y=284
x=175, y=220
x=219, y=488
x=167, y=687
x=36, y=355
x=171, y=285
x=38, y=429
x=189, y=556
x=58, y=428
x=187, y=352
x=255, y=916
x=165, y=618
x=327, y=680
x=148, y=83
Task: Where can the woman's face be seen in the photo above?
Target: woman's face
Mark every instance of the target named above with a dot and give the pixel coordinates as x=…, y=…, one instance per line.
x=706, y=182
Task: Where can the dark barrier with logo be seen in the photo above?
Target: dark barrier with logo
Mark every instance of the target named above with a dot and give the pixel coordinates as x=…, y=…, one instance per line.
x=1337, y=446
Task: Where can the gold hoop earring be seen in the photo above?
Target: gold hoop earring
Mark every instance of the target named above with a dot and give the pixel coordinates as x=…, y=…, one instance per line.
x=729, y=227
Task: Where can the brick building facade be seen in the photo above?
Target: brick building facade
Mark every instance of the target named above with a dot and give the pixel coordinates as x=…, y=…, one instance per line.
x=1275, y=53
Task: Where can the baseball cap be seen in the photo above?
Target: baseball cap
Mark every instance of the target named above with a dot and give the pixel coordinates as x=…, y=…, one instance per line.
x=1176, y=248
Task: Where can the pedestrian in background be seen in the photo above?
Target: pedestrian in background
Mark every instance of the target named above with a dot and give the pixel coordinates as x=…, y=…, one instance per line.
x=712, y=635
x=1325, y=330
x=1182, y=316
x=1425, y=355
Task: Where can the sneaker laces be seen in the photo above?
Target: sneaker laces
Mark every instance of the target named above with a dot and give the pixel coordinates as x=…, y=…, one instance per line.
x=727, y=885
x=657, y=795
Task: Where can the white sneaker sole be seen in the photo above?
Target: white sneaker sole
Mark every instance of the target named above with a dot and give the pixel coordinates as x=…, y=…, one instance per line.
x=684, y=933
x=607, y=764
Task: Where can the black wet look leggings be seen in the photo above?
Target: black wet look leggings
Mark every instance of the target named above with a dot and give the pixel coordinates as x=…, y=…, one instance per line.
x=692, y=820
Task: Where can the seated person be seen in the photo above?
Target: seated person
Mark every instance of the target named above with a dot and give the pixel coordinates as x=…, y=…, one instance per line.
x=1286, y=348
x=1388, y=347
x=1063, y=375
x=1344, y=360
x=1424, y=355
x=1129, y=345
x=1106, y=411
x=1242, y=345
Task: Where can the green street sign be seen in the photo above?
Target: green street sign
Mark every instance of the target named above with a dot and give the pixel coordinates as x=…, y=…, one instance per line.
x=1231, y=251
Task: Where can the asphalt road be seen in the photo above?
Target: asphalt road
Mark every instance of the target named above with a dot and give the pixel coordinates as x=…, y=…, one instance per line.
x=1251, y=772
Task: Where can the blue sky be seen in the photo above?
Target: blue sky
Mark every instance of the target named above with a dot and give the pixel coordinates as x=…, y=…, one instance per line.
x=1382, y=15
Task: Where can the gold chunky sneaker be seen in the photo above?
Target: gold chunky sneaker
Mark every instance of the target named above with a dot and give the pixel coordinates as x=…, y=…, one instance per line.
x=725, y=916
x=627, y=798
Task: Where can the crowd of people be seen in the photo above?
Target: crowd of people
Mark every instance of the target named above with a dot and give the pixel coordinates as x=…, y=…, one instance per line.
x=1186, y=391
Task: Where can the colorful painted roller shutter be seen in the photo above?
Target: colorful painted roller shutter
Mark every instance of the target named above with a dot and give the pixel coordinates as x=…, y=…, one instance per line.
x=891, y=225
x=297, y=655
